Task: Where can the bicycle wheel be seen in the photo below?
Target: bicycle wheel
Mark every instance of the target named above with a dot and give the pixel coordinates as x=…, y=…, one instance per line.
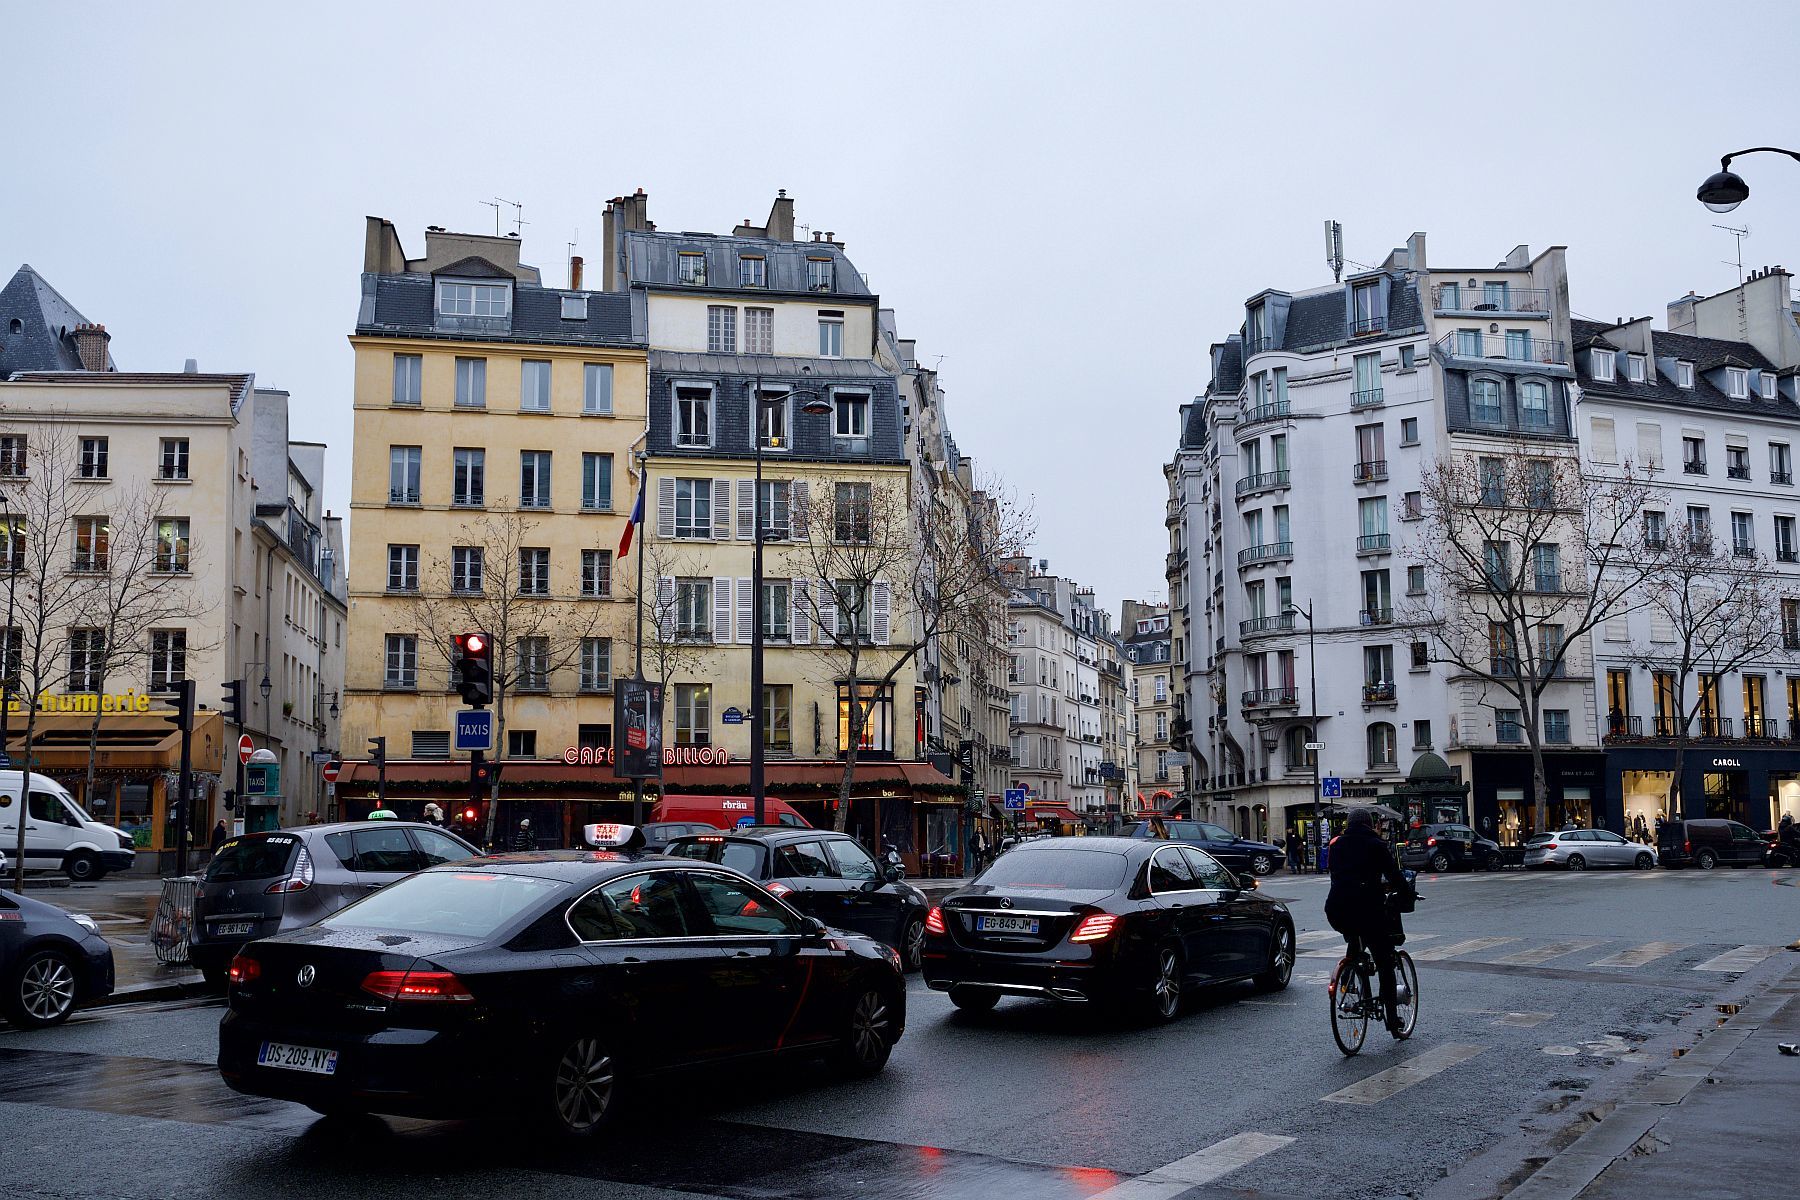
x=1406, y=979
x=1349, y=1008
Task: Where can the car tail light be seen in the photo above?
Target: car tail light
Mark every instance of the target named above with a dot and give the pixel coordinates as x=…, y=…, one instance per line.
x=1549, y=845
x=1431, y=841
x=779, y=890
x=244, y=969
x=1095, y=927
x=934, y=920
x=298, y=880
x=431, y=986
x=1687, y=847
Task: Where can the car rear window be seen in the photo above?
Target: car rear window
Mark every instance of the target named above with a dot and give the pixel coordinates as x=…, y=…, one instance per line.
x=739, y=856
x=453, y=903
x=1538, y=839
x=265, y=857
x=1064, y=869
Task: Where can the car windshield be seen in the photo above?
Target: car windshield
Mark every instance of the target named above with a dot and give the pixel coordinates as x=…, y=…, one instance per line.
x=252, y=858
x=1055, y=868
x=739, y=856
x=454, y=903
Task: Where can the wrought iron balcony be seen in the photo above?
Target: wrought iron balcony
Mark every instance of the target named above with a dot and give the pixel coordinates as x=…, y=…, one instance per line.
x=1367, y=398
x=1283, y=697
x=1743, y=550
x=1469, y=345
x=1693, y=466
x=1377, y=616
x=1782, y=477
x=1268, y=480
x=403, y=495
x=1372, y=471
x=1257, y=626
x=1363, y=326
x=1379, y=692
x=1454, y=298
x=1259, y=345
x=1274, y=410
x=1737, y=472
x=1762, y=727
x=1787, y=554
x=1268, y=552
x=1373, y=543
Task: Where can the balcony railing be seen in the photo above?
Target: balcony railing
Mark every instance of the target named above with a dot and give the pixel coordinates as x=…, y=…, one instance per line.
x=1762, y=727
x=1367, y=398
x=1782, y=477
x=1274, y=410
x=1283, y=697
x=1457, y=298
x=1261, y=483
x=1367, y=325
x=1550, y=585
x=1372, y=542
x=1268, y=552
x=1655, y=543
x=1378, y=692
x=1715, y=727
x=1743, y=550
x=1623, y=726
x=1259, y=345
x=1787, y=554
x=1377, y=616
x=1693, y=466
x=1737, y=472
x=1461, y=344
x=1256, y=626
x=1372, y=471
x=402, y=495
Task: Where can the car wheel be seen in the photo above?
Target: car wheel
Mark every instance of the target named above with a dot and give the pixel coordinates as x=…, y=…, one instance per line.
x=912, y=945
x=867, y=1036
x=42, y=992
x=1577, y=863
x=1281, y=961
x=1646, y=861
x=1440, y=862
x=974, y=999
x=1706, y=860
x=582, y=1088
x=1163, y=1003
x=82, y=867
x=1262, y=864
x=1493, y=862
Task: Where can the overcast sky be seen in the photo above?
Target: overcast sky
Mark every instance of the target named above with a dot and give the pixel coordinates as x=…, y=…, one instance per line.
x=1065, y=203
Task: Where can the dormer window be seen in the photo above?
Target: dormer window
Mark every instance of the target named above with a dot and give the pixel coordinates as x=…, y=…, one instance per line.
x=819, y=275
x=1601, y=367
x=473, y=299
x=1366, y=308
x=1768, y=385
x=1684, y=374
x=1737, y=383
x=574, y=308
x=752, y=271
x=1634, y=367
x=691, y=268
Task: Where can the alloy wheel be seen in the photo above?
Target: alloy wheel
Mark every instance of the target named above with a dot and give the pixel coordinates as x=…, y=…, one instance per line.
x=1262, y=864
x=1284, y=955
x=584, y=1085
x=1440, y=862
x=47, y=989
x=1577, y=863
x=1167, y=988
x=912, y=953
x=869, y=1025
x=1646, y=862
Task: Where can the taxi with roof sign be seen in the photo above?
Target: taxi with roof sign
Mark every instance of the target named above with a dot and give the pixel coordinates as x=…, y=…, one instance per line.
x=549, y=983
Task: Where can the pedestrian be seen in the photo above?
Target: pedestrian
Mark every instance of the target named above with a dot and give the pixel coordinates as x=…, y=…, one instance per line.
x=1295, y=849
x=219, y=834
x=522, y=840
x=978, y=848
x=434, y=815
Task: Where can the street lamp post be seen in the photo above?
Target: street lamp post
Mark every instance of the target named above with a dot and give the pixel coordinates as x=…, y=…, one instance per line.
x=10, y=649
x=1725, y=189
x=1312, y=671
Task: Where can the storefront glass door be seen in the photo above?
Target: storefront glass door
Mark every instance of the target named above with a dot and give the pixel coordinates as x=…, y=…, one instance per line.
x=1727, y=795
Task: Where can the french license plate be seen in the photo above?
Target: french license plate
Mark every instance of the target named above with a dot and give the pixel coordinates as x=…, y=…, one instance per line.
x=297, y=1058
x=231, y=927
x=1006, y=924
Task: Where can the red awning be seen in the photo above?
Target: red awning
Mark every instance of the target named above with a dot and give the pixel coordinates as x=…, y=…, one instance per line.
x=1052, y=810
x=871, y=778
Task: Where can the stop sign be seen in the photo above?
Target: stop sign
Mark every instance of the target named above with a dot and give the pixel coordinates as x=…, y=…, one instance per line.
x=331, y=770
x=246, y=748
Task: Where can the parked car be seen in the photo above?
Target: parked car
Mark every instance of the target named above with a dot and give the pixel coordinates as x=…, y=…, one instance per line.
x=726, y=812
x=1450, y=847
x=51, y=962
x=1707, y=842
x=1129, y=923
x=544, y=986
x=59, y=834
x=825, y=875
x=658, y=834
x=1236, y=853
x=266, y=883
x=1579, y=849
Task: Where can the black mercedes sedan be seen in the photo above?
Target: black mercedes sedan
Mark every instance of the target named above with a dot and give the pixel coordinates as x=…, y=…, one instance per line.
x=1128, y=923
x=543, y=985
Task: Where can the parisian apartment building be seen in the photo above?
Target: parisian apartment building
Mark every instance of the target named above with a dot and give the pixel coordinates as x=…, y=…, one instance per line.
x=1155, y=685
x=196, y=535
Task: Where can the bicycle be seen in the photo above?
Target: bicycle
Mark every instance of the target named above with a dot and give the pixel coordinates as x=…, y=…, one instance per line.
x=1349, y=990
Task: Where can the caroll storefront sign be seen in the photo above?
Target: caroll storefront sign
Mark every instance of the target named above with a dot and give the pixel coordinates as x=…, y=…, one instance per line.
x=127, y=702
x=672, y=756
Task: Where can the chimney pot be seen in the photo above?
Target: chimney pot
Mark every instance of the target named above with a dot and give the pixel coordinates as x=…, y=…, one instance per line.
x=640, y=191
x=575, y=273
x=191, y=367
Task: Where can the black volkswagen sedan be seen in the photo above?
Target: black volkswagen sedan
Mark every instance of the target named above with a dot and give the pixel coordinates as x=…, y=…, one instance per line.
x=542, y=985
x=1126, y=922
x=825, y=875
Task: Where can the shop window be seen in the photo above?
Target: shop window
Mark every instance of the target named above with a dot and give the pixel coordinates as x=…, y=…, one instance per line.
x=877, y=705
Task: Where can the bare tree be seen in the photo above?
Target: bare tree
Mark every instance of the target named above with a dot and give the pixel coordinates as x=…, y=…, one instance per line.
x=667, y=652
x=1528, y=554
x=45, y=595
x=884, y=574
x=1711, y=612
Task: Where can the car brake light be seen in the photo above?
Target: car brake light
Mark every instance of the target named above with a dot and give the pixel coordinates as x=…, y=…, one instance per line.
x=1095, y=927
x=244, y=969
x=1431, y=841
x=416, y=985
x=298, y=880
x=934, y=920
x=1687, y=847
x=779, y=890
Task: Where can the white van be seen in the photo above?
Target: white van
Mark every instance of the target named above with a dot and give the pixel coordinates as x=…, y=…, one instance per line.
x=58, y=834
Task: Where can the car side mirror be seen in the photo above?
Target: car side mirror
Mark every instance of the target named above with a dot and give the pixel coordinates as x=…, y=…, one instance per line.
x=1246, y=883
x=815, y=928
x=893, y=873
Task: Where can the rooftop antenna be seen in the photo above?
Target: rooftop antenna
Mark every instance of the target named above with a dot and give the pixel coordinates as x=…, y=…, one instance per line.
x=519, y=221
x=495, y=205
x=1739, y=235
x=1334, y=250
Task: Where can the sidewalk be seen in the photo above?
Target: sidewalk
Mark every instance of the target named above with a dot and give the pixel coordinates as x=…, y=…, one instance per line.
x=122, y=906
x=1718, y=1120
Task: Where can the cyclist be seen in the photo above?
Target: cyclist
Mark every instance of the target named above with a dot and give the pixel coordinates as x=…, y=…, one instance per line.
x=1361, y=862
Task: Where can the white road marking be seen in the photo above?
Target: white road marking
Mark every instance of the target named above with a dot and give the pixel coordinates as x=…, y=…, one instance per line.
x=1394, y=1080
x=1455, y=949
x=1740, y=959
x=1204, y=1166
x=1313, y=937
x=1533, y=955
x=1637, y=956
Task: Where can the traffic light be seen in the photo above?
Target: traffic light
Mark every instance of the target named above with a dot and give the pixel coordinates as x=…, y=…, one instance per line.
x=378, y=751
x=475, y=668
x=482, y=771
x=183, y=715
x=469, y=815
x=233, y=708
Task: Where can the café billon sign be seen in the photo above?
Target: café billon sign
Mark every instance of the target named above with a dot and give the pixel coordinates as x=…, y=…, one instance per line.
x=672, y=756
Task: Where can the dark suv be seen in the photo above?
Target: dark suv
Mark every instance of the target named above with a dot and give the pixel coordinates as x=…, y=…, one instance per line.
x=825, y=875
x=265, y=883
x=1449, y=847
x=1709, y=842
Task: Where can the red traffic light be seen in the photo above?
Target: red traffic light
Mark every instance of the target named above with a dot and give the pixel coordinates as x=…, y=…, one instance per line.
x=474, y=643
x=469, y=815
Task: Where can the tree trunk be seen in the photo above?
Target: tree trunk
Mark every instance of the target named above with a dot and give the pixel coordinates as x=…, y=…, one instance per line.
x=1674, y=801
x=494, y=757
x=840, y=820
x=1540, y=785
x=24, y=799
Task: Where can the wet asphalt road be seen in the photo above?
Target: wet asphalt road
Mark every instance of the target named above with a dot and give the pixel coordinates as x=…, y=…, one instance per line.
x=1542, y=997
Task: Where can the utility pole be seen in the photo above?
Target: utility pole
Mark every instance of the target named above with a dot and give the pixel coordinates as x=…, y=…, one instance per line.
x=184, y=715
x=378, y=752
x=643, y=541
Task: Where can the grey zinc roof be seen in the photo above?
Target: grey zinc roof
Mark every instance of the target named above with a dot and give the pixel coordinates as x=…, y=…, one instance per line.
x=775, y=366
x=402, y=304
x=651, y=257
x=42, y=342
x=1230, y=375
x=240, y=385
x=1705, y=353
x=1322, y=319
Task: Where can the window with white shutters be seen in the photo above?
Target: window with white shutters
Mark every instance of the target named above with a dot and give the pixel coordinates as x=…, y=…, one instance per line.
x=746, y=509
x=1602, y=445
x=722, y=612
x=802, y=615
x=746, y=611
x=1650, y=451
x=881, y=612
x=721, y=510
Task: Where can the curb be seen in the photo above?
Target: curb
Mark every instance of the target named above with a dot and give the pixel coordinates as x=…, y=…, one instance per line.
x=137, y=993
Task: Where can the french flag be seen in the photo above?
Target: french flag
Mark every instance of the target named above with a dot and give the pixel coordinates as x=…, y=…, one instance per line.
x=632, y=522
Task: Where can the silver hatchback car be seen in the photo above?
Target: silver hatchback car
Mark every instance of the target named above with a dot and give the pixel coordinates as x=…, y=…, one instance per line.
x=1579, y=849
x=262, y=884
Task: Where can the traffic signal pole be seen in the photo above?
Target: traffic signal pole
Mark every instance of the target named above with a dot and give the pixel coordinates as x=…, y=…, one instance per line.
x=185, y=780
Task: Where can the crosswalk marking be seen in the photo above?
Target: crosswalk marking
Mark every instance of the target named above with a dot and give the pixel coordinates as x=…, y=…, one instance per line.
x=1454, y=949
x=1742, y=958
x=1637, y=956
x=1314, y=936
x=1202, y=1167
x=1533, y=955
x=1394, y=1080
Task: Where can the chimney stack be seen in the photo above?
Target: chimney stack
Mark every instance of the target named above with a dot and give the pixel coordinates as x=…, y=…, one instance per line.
x=90, y=346
x=781, y=218
x=575, y=273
